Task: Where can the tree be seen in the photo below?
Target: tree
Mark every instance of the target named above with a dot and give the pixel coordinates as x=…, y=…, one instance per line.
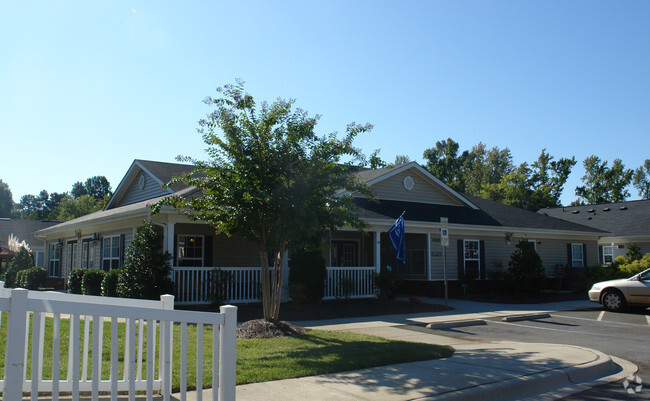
x=6, y=200
x=146, y=269
x=71, y=208
x=547, y=179
x=400, y=159
x=98, y=187
x=445, y=164
x=641, y=180
x=40, y=207
x=271, y=179
x=526, y=267
x=78, y=189
x=23, y=260
x=604, y=184
x=375, y=161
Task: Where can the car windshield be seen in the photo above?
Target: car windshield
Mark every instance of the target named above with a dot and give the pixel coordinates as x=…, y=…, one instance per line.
x=643, y=276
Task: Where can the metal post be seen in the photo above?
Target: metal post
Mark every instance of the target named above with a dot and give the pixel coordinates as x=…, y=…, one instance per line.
x=444, y=272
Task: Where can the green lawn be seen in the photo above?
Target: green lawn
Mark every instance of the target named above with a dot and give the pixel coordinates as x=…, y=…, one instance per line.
x=258, y=360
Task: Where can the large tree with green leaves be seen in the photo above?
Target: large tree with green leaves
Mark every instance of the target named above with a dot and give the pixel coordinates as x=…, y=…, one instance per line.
x=445, y=164
x=6, y=200
x=271, y=179
x=603, y=184
x=641, y=180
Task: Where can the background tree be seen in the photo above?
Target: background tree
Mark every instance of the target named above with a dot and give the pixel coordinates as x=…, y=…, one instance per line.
x=71, y=208
x=375, y=161
x=98, y=187
x=78, y=190
x=641, y=180
x=270, y=179
x=603, y=184
x=547, y=179
x=445, y=164
x=6, y=200
x=400, y=159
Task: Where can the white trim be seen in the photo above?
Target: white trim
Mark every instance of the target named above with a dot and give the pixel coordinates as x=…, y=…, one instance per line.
x=582, y=254
x=178, y=245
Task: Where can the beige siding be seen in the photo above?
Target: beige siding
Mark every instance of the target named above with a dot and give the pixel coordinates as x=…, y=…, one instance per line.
x=134, y=194
x=227, y=251
x=423, y=191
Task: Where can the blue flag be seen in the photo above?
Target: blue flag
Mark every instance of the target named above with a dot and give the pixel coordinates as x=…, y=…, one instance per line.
x=398, y=240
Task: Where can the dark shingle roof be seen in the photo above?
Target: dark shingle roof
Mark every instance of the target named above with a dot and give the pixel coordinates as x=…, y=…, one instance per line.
x=166, y=171
x=622, y=219
x=490, y=213
x=23, y=229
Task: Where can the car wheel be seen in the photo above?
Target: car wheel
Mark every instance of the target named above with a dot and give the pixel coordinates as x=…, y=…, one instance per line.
x=613, y=300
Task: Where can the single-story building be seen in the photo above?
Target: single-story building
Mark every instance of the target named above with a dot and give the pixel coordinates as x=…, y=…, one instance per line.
x=482, y=235
x=23, y=230
x=626, y=222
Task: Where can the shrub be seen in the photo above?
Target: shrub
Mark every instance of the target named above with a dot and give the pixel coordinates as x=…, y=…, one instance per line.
x=220, y=280
x=387, y=282
x=634, y=253
x=109, y=284
x=146, y=269
x=597, y=273
x=526, y=267
x=32, y=279
x=23, y=260
x=74, y=281
x=307, y=275
x=501, y=281
x=91, y=284
x=635, y=266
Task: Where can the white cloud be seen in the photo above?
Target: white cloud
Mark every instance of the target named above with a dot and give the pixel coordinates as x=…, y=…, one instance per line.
x=134, y=11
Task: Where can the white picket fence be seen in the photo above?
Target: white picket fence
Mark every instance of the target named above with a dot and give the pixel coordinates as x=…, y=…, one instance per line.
x=144, y=321
x=194, y=285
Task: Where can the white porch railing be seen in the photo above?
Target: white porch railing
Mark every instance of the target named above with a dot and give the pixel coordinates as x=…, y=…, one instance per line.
x=350, y=282
x=196, y=285
x=141, y=320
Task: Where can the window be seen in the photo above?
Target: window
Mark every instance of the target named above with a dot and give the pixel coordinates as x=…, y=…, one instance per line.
x=54, y=262
x=472, y=258
x=111, y=254
x=39, y=259
x=345, y=253
x=608, y=254
x=71, y=255
x=577, y=258
x=534, y=242
x=190, y=250
x=88, y=254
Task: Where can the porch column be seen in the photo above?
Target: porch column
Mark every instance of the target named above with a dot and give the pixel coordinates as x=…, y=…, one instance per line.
x=429, y=256
x=377, y=238
x=170, y=240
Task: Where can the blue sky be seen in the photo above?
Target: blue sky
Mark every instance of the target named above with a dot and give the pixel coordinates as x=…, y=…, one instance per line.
x=88, y=86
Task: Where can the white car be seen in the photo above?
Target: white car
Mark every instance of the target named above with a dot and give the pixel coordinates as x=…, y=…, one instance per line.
x=616, y=295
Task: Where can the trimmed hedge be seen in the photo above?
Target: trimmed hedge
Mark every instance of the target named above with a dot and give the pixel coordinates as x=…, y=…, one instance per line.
x=109, y=284
x=23, y=260
x=91, y=284
x=74, y=280
x=31, y=279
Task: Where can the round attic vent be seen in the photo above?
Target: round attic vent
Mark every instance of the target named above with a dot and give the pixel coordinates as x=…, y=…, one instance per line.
x=408, y=183
x=141, y=182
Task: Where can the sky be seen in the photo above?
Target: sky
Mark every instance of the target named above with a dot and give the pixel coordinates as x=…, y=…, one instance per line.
x=87, y=87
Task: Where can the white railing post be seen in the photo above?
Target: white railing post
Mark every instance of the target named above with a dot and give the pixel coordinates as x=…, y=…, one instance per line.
x=227, y=354
x=15, y=345
x=166, y=341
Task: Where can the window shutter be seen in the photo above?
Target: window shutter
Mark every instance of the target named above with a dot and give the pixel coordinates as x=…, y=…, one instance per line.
x=584, y=255
x=461, y=260
x=601, y=258
x=122, y=241
x=101, y=254
x=207, y=251
x=569, y=258
x=481, y=266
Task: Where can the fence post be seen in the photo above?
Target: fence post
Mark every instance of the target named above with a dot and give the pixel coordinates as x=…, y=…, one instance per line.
x=16, y=337
x=166, y=341
x=228, y=354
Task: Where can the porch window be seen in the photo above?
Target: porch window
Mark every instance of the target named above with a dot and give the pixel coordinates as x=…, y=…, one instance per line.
x=190, y=250
x=345, y=253
x=577, y=257
x=88, y=254
x=54, y=262
x=472, y=258
x=608, y=254
x=111, y=254
x=71, y=254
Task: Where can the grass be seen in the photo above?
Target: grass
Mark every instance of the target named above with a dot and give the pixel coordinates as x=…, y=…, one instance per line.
x=313, y=353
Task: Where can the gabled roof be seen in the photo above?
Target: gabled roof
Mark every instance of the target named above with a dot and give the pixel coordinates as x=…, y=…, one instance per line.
x=158, y=172
x=621, y=219
x=372, y=177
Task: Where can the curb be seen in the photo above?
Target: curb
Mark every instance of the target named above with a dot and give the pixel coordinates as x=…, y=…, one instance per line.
x=518, y=318
x=551, y=385
x=459, y=323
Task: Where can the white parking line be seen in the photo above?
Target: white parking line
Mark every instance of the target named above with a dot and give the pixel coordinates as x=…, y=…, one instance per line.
x=566, y=331
x=603, y=321
x=600, y=316
x=647, y=317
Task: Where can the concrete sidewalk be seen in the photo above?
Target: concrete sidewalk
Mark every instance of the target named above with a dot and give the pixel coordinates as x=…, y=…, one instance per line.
x=477, y=370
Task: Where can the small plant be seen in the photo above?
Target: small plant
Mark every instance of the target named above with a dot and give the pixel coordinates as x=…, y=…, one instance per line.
x=526, y=267
x=91, y=284
x=74, y=281
x=23, y=260
x=346, y=287
x=221, y=279
x=109, y=284
x=146, y=269
x=307, y=274
x=31, y=279
x=387, y=282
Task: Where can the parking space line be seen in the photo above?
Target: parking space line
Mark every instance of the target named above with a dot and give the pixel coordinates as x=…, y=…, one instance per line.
x=600, y=316
x=602, y=321
x=647, y=317
x=566, y=331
